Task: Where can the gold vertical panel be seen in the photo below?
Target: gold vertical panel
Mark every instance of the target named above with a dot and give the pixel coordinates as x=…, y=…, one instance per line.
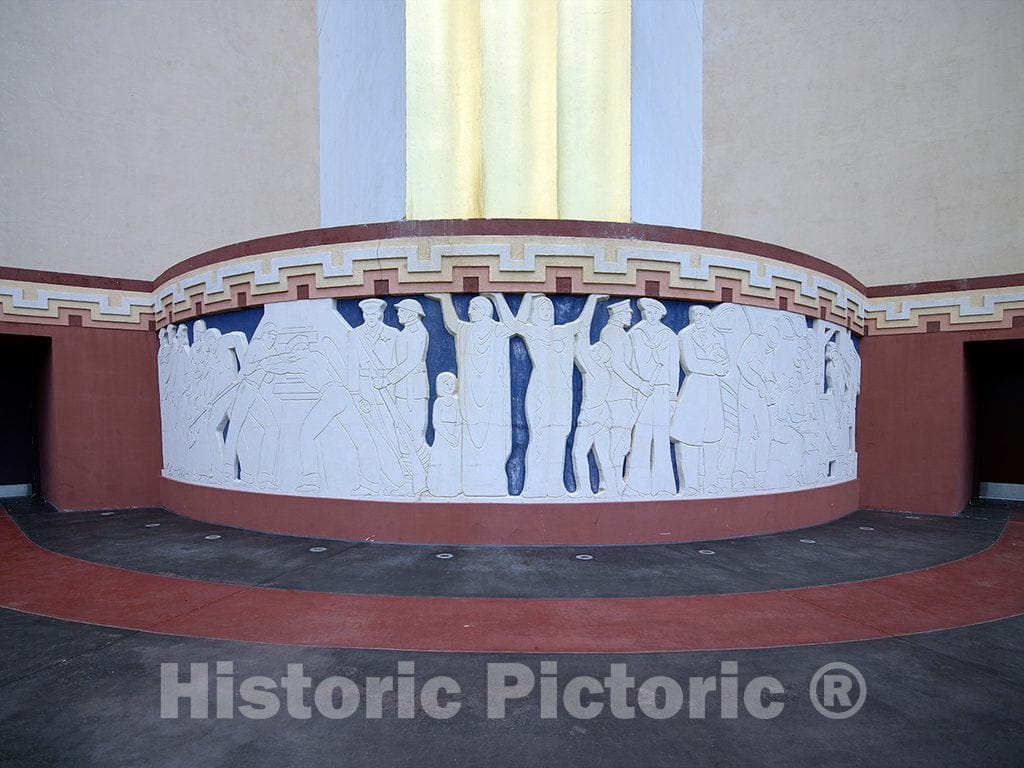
x=593, y=109
x=518, y=43
x=443, y=151
x=517, y=108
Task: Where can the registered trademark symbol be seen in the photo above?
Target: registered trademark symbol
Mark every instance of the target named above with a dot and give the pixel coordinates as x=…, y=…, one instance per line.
x=831, y=689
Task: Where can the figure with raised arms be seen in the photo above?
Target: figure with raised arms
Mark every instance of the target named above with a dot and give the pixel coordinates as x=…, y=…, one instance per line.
x=485, y=398
x=548, y=403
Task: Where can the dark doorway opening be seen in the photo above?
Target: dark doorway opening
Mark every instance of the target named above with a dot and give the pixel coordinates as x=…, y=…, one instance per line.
x=22, y=378
x=997, y=381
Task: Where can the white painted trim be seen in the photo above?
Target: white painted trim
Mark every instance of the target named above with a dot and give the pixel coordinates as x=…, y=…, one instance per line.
x=1004, y=491
x=666, y=112
x=361, y=50
x=15, y=490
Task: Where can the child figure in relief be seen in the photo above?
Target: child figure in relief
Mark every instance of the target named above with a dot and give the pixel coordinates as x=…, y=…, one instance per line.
x=444, y=477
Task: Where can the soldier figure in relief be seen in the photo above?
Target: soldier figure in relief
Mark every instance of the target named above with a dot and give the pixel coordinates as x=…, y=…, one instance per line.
x=371, y=359
x=409, y=376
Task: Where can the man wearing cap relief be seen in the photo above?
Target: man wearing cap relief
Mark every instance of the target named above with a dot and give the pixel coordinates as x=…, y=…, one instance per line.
x=409, y=376
x=373, y=346
x=656, y=360
x=372, y=358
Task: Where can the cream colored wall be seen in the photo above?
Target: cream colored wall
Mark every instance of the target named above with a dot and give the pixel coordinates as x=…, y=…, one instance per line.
x=135, y=134
x=886, y=136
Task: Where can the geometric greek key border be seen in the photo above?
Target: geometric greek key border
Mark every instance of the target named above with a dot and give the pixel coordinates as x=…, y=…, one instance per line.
x=989, y=308
x=473, y=263
x=57, y=304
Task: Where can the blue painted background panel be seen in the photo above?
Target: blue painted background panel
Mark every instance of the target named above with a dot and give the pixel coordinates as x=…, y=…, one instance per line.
x=441, y=357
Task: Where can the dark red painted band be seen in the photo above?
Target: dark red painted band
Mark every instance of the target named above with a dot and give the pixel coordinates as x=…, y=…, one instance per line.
x=620, y=522
x=72, y=278
x=979, y=588
x=507, y=227
x=946, y=286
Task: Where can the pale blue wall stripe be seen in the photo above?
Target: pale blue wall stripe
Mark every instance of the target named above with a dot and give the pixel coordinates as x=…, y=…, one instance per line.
x=667, y=116
x=362, y=110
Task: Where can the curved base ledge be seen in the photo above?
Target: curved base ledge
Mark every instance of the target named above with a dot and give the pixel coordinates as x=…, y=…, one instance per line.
x=645, y=522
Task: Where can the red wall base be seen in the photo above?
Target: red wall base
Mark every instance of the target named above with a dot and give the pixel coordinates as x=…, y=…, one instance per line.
x=100, y=417
x=915, y=420
x=467, y=523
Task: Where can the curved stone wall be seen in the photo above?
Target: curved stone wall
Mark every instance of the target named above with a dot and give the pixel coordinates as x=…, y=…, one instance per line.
x=508, y=398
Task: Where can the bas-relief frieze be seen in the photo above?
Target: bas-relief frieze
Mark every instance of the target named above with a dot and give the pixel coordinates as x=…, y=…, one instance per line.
x=418, y=400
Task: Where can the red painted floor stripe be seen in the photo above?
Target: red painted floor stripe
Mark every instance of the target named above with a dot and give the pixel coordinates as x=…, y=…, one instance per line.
x=982, y=587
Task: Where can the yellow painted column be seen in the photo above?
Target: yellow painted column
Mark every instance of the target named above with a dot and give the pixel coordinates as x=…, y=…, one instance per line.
x=518, y=109
x=518, y=42
x=593, y=109
x=443, y=93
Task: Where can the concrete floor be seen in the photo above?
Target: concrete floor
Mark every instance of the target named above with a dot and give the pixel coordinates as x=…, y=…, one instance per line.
x=841, y=551
x=82, y=694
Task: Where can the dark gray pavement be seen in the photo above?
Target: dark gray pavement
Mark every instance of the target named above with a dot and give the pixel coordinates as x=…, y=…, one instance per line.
x=77, y=695
x=866, y=544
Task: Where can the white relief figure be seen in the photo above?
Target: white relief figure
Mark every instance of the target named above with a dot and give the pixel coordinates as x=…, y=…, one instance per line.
x=786, y=413
x=182, y=363
x=251, y=410
x=833, y=404
x=371, y=360
x=698, y=420
x=791, y=425
x=444, y=477
x=217, y=384
x=321, y=441
x=757, y=391
x=840, y=399
x=198, y=394
x=851, y=358
x=810, y=376
x=206, y=447
x=655, y=358
x=548, y=403
x=822, y=334
x=332, y=402
x=225, y=353
x=169, y=376
x=626, y=386
x=734, y=324
x=485, y=400
x=409, y=376
x=164, y=369
x=593, y=427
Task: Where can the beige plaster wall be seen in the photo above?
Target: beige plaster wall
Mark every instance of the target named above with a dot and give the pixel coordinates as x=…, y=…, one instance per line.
x=886, y=136
x=136, y=133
